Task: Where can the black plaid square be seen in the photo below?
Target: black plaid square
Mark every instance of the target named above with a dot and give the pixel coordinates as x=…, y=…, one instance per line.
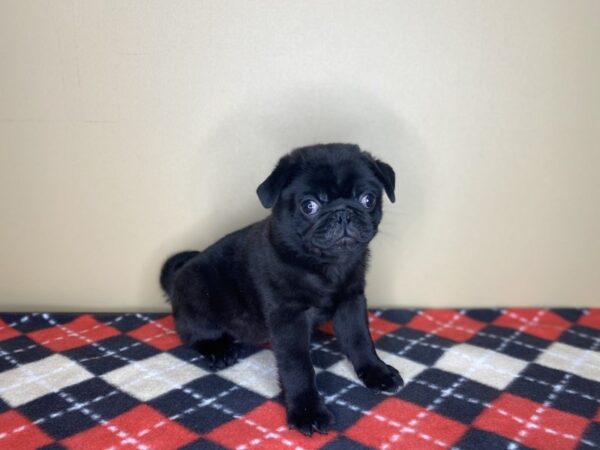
x=483, y=315
x=204, y=404
x=459, y=398
x=570, y=314
x=416, y=345
x=77, y=408
x=26, y=323
x=123, y=322
x=56, y=416
x=510, y=342
x=476, y=439
x=577, y=395
x=580, y=336
x=55, y=446
x=344, y=443
x=346, y=400
x=104, y=399
x=21, y=350
x=325, y=351
x=114, y=352
x=190, y=412
x=399, y=316
x=120, y=321
x=202, y=444
x=591, y=437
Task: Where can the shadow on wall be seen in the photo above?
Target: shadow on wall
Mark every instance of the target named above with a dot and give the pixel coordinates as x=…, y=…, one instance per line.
x=239, y=154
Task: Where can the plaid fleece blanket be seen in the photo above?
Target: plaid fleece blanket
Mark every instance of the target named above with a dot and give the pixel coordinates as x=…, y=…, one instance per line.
x=475, y=380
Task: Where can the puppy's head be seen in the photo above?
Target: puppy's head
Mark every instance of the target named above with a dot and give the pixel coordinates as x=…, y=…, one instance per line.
x=326, y=199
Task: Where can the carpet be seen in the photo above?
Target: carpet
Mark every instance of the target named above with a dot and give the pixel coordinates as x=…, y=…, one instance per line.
x=475, y=380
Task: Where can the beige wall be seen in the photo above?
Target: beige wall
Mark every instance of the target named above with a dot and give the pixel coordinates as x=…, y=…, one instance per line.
x=132, y=129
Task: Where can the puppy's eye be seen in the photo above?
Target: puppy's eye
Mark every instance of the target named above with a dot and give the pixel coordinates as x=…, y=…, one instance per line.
x=367, y=200
x=310, y=207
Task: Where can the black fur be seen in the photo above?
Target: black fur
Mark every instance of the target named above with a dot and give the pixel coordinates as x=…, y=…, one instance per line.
x=172, y=265
x=277, y=279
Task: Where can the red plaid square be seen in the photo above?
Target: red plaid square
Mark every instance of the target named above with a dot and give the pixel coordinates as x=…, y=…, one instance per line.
x=511, y=416
x=378, y=327
x=265, y=427
x=591, y=319
x=18, y=432
x=541, y=323
x=446, y=323
x=158, y=333
x=7, y=332
x=389, y=425
x=81, y=331
x=327, y=327
x=141, y=427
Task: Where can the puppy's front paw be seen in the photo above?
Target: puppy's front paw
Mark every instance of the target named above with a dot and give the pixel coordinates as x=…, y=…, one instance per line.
x=382, y=378
x=305, y=416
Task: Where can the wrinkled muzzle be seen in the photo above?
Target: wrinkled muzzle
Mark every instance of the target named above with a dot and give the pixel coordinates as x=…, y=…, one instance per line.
x=341, y=229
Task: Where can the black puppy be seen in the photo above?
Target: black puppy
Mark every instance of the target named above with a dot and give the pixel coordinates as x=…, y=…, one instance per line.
x=277, y=279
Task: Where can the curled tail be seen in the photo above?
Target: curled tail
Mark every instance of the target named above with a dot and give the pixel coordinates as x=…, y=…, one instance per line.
x=171, y=266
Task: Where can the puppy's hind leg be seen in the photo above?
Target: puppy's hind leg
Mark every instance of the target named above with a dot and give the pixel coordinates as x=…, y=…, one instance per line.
x=217, y=347
x=219, y=353
x=193, y=291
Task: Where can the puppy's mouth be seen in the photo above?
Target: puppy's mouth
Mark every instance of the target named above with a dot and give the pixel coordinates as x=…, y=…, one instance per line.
x=345, y=242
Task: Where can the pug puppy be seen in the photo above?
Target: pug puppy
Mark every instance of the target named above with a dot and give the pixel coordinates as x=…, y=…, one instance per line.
x=275, y=280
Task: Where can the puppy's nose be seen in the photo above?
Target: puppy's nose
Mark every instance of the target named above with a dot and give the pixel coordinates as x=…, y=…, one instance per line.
x=343, y=217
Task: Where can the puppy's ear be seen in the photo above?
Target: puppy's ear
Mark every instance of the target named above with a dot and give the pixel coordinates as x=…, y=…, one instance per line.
x=386, y=175
x=269, y=190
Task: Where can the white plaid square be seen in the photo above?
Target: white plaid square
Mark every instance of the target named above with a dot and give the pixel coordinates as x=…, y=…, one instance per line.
x=482, y=365
x=30, y=381
x=585, y=363
x=257, y=373
x=154, y=376
x=408, y=369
